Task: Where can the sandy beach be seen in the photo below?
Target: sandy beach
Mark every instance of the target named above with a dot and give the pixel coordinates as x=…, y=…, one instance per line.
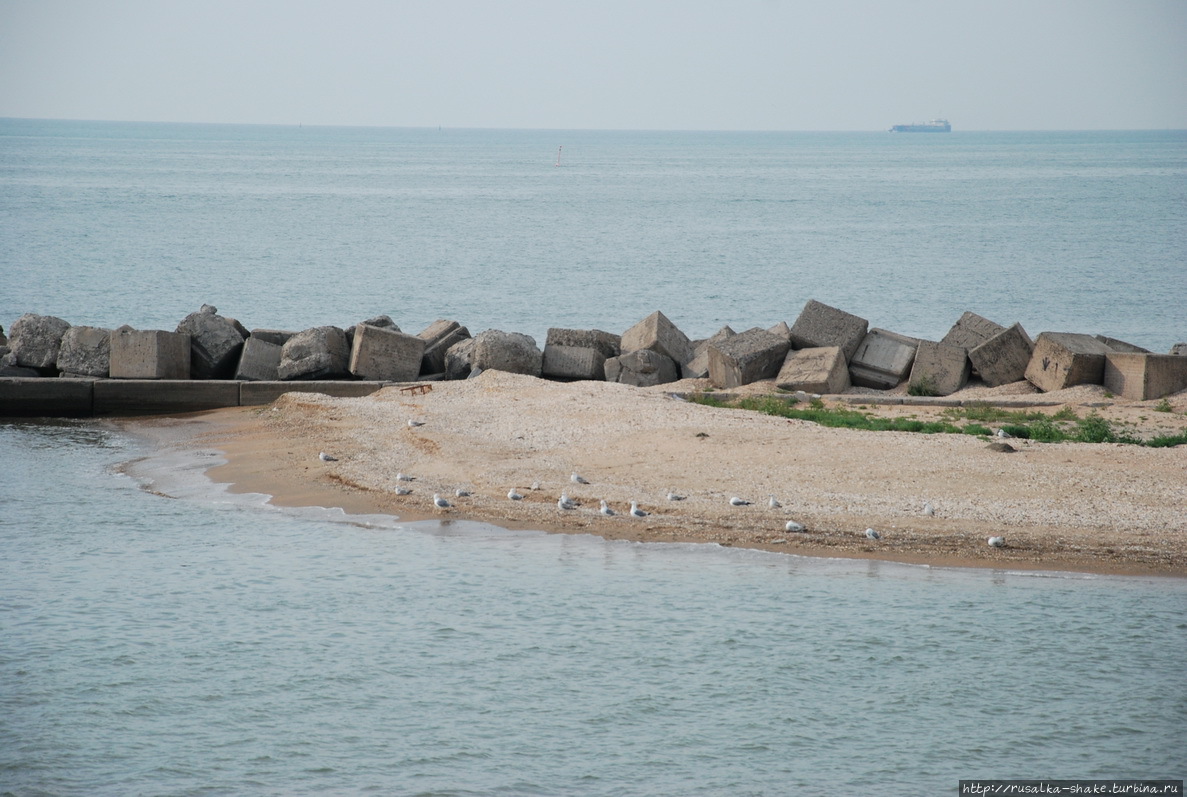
x=1109, y=508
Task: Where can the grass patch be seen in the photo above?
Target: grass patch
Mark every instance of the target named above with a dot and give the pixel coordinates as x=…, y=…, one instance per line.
x=923, y=386
x=1164, y=406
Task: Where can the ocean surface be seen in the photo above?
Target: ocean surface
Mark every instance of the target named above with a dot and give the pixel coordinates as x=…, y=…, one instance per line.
x=161, y=637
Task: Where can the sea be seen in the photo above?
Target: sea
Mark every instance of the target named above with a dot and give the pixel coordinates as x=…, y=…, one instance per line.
x=161, y=636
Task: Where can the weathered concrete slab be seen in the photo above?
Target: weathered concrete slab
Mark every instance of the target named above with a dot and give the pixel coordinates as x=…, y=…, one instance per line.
x=970, y=331
x=276, y=336
x=820, y=325
x=882, y=360
x=317, y=353
x=698, y=366
x=939, y=369
x=39, y=397
x=1120, y=345
x=149, y=354
x=439, y=336
x=746, y=357
x=385, y=355
x=259, y=361
x=820, y=369
x=163, y=396
x=1144, y=376
x=86, y=351
x=513, y=352
x=782, y=330
x=642, y=368
x=657, y=333
x=609, y=344
x=380, y=321
x=36, y=339
x=1063, y=359
x=215, y=343
x=1179, y=350
x=573, y=362
x=255, y=393
x=459, y=359
x=1003, y=358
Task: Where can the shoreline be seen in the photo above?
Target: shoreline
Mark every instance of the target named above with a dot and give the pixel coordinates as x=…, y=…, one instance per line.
x=273, y=450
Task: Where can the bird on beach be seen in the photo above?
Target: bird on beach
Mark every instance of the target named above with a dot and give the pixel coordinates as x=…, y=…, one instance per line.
x=577, y=479
x=636, y=511
x=565, y=502
x=324, y=457
x=535, y=486
x=440, y=502
x=403, y=491
x=404, y=477
x=736, y=501
x=606, y=510
x=873, y=535
x=793, y=526
x=413, y=423
x=997, y=542
x=1002, y=433
x=772, y=503
x=460, y=493
x=673, y=497
x=928, y=509
x=514, y=494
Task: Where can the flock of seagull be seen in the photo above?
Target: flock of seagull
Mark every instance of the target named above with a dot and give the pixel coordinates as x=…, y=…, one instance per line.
x=565, y=503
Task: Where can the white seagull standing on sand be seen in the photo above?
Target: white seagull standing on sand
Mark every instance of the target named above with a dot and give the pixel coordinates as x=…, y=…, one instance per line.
x=460, y=493
x=565, y=502
x=606, y=510
x=412, y=423
x=1003, y=433
x=793, y=526
x=403, y=491
x=673, y=497
x=324, y=457
x=772, y=503
x=514, y=494
x=873, y=535
x=636, y=511
x=736, y=501
x=440, y=502
x=404, y=477
x=576, y=479
x=928, y=509
x=997, y=542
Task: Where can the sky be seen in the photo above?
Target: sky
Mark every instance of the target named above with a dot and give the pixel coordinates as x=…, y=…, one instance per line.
x=601, y=64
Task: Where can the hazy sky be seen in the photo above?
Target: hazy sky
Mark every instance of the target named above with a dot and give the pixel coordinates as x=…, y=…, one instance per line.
x=601, y=64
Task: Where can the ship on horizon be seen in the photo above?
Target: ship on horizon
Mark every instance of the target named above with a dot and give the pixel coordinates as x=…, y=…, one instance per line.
x=934, y=126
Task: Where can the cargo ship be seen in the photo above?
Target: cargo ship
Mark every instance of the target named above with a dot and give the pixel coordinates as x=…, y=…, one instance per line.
x=934, y=126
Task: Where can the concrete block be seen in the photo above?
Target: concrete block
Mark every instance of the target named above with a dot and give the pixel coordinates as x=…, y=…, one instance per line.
x=1179, y=350
x=573, y=362
x=1145, y=376
x=254, y=393
x=971, y=331
x=149, y=354
x=36, y=339
x=1003, y=358
x=513, y=352
x=882, y=360
x=459, y=359
x=259, y=361
x=385, y=355
x=86, y=351
x=380, y=321
x=609, y=344
x=940, y=369
x=163, y=396
x=782, y=330
x=821, y=325
x=1120, y=345
x=818, y=369
x=215, y=343
x=1063, y=359
x=439, y=336
x=698, y=366
x=746, y=357
x=317, y=353
x=277, y=336
x=642, y=368
x=657, y=333
x=46, y=398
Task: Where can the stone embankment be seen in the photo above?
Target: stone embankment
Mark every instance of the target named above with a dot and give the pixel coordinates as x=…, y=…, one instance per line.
x=49, y=367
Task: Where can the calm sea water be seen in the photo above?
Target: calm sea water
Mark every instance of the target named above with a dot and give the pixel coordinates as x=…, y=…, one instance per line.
x=204, y=645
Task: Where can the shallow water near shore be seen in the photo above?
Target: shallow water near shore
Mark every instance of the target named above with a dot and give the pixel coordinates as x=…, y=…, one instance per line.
x=209, y=644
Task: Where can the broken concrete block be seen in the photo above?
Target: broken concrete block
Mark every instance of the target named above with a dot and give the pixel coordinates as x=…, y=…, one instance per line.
x=782, y=330
x=939, y=369
x=36, y=339
x=1145, y=376
x=317, y=353
x=384, y=355
x=1063, y=359
x=971, y=331
x=698, y=366
x=259, y=361
x=746, y=357
x=439, y=336
x=149, y=354
x=882, y=360
x=642, y=368
x=459, y=359
x=819, y=369
x=657, y=333
x=573, y=362
x=215, y=342
x=513, y=352
x=609, y=344
x=277, y=336
x=1179, y=350
x=1120, y=345
x=86, y=351
x=1003, y=358
x=821, y=325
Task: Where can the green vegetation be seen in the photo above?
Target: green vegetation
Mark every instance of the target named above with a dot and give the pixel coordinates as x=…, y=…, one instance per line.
x=923, y=386
x=1163, y=406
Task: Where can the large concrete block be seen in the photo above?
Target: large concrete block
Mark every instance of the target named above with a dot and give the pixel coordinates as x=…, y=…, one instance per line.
x=381, y=321
x=642, y=368
x=1179, y=350
x=215, y=343
x=939, y=369
x=36, y=339
x=782, y=330
x=573, y=362
x=815, y=370
x=1145, y=376
x=513, y=352
x=149, y=354
x=439, y=336
x=385, y=355
x=1003, y=358
x=163, y=396
x=86, y=351
x=459, y=359
x=821, y=325
x=1120, y=345
x=317, y=353
x=46, y=398
x=698, y=366
x=882, y=360
x=255, y=393
x=259, y=361
x=971, y=331
x=1063, y=359
x=657, y=333
x=277, y=336
x=609, y=344
x=746, y=357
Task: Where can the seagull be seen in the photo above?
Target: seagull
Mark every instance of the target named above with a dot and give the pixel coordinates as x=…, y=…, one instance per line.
x=606, y=510
x=576, y=479
x=928, y=509
x=565, y=502
x=460, y=493
x=873, y=535
x=403, y=491
x=1002, y=433
x=404, y=477
x=772, y=503
x=412, y=423
x=997, y=542
x=514, y=494
x=793, y=526
x=673, y=497
x=440, y=502
x=535, y=485
x=324, y=457
x=736, y=501
x=636, y=511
